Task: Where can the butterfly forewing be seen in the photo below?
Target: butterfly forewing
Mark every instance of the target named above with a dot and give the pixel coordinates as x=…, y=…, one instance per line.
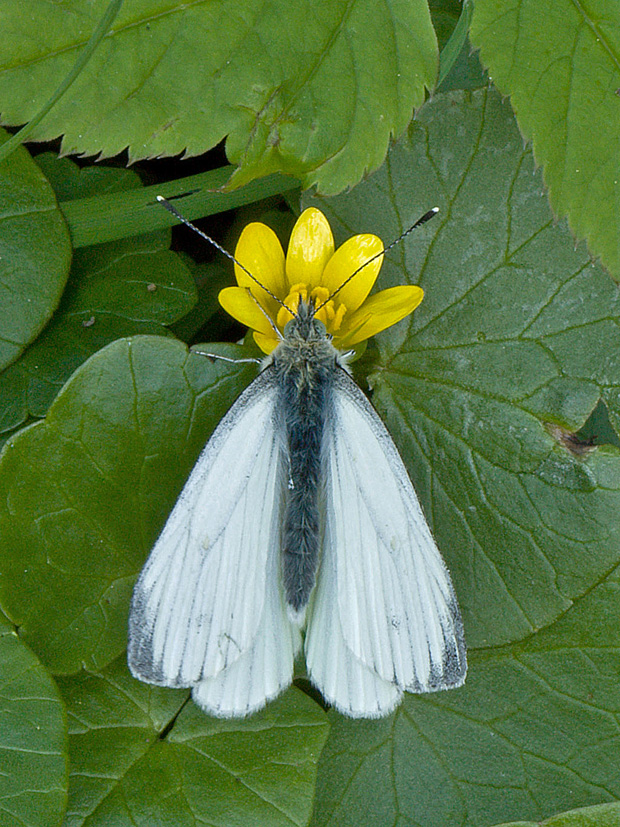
x=396, y=610
x=209, y=588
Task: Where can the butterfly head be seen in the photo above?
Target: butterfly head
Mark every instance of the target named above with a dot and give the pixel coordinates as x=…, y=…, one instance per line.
x=304, y=326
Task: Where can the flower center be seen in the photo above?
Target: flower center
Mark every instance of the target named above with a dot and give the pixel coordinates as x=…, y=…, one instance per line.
x=331, y=314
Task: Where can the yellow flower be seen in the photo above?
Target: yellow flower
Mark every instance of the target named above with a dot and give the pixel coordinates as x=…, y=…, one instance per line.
x=312, y=269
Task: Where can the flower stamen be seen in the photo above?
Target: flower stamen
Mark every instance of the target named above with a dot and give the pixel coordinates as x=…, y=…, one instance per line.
x=331, y=314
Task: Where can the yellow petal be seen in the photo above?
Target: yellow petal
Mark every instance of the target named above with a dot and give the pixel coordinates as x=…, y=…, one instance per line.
x=310, y=247
x=240, y=304
x=266, y=343
x=378, y=313
x=353, y=254
x=260, y=251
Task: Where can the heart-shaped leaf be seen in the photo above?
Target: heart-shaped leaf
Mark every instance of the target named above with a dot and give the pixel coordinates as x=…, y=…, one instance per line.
x=602, y=815
x=136, y=285
x=112, y=454
x=143, y=755
x=33, y=738
x=35, y=254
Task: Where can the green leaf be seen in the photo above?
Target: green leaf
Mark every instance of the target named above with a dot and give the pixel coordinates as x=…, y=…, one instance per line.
x=515, y=340
x=534, y=730
x=315, y=92
x=35, y=253
x=84, y=55
x=562, y=73
x=459, y=67
x=602, y=815
x=70, y=182
x=33, y=748
x=131, y=286
x=141, y=755
x=112, y=454
x=209, y=278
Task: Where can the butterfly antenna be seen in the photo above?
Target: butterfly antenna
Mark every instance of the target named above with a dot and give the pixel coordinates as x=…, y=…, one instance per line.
x=426, y=217
x=266, y=315
x=171, y=209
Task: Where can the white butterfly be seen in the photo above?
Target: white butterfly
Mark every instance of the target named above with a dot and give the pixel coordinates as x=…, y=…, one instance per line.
x=299, y=514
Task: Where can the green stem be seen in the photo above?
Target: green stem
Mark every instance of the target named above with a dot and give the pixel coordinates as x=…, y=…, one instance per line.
x=123, y=214
x=453, y=47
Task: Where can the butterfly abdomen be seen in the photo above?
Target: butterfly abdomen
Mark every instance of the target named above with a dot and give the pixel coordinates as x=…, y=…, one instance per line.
x=306, y=376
